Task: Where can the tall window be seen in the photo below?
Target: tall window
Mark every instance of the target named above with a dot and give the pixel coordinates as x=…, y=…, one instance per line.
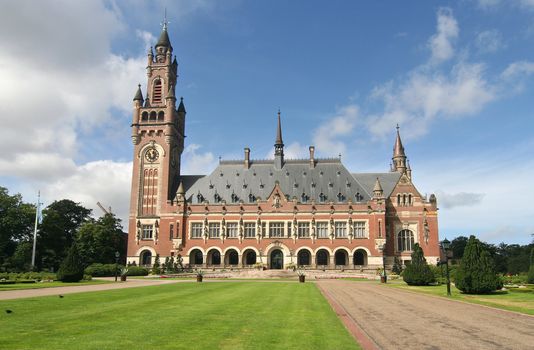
x=289, y=229
x=303, y=229
x=148, y=231
x=359, y=229
x=231, y=229
x=156, y=96
x=150, y=191
x=214, y=229
x=276, y=229
x=405, y=241
x=322, y=229
x=340, y=229
x=196, y=230
x=250, y=230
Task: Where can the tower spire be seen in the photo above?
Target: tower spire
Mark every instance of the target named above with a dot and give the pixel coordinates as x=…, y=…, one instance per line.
x=279, y=145
x=399, y=157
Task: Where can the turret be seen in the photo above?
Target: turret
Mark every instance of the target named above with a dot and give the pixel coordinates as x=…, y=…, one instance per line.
x=378, y=192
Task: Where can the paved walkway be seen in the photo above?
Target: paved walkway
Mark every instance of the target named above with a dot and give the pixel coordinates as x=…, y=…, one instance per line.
x=30, y=293
x=395, y=319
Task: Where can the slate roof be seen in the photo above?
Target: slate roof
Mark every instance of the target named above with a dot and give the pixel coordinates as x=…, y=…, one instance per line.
x=387, y=180
x=328, y=181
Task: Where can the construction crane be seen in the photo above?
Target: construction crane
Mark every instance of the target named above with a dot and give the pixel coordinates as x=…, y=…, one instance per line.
x=108, y=211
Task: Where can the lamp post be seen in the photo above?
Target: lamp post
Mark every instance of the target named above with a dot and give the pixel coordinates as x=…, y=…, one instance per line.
x=445, y=246
x=117, y=255
x=384, y=277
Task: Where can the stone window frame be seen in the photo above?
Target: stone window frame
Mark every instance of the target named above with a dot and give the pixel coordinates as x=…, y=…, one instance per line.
x=338, y=225
x=303, y=229
x=277, y=229
x=196, y=229
x=147, y=231
x=214, y=229
x=361, y=231
x=232, y=226
x=319, y=228
x=249, y=229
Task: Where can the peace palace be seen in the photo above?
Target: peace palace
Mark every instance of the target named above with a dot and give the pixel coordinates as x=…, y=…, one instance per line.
x=312, y=212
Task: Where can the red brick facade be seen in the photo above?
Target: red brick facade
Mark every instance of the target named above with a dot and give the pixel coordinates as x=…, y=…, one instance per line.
x=271, y=212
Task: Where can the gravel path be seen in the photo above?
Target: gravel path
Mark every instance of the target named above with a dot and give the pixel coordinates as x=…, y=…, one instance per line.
x=30, y=293
x=397, y=319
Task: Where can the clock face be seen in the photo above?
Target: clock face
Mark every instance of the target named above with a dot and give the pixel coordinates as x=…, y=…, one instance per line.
x=152, y=155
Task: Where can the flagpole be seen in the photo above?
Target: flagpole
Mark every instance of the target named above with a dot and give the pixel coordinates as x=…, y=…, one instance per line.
x=35, y=228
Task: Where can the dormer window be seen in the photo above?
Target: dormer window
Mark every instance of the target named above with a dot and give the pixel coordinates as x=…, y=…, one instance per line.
x=359, y=197
x=303, y=198
x=340, y=197
x=234, y=198
x=251, y=198
x=200, y=198
x=216, y=197
x=322, y=197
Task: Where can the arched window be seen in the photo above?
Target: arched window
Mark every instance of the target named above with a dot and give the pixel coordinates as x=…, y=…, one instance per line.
x=156, y=95
x=398, y=199
x=405, y=241
x=322, y=257
x=145, y=258
x=153, y=116
x=196, y=257
x=161, y=116
x=360, y=257
x=233, y=258
x=303, y=258
x=409, y=199
x=404, y=200
x=144, y=116
x=250, y=257
x=340, y=257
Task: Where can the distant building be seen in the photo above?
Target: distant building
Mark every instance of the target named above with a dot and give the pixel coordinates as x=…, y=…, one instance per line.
x=311, y=212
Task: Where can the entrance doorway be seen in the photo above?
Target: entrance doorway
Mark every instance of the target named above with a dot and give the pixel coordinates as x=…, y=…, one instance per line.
x=277, y=259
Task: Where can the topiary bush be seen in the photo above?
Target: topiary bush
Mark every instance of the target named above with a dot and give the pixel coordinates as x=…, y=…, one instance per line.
x=156, y=268
x=137, y=271
x=103, y=270
x=530, y=276
x=476, y=273
x=418, y=273
x=71, y=269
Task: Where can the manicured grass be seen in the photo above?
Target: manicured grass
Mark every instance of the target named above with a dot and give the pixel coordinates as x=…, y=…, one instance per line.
x=39, y=285
x=218, y=315
x=514, y=299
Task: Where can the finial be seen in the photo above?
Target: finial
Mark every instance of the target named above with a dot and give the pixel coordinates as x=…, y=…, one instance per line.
x=165, y=22
x=398, y=127
x=181, y=99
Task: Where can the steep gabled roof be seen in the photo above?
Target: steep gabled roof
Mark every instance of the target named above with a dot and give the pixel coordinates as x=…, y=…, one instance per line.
x=387, y=181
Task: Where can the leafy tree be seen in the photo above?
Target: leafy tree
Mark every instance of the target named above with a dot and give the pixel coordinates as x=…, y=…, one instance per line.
x=530, y=278
x=71, y=269
x=99, y=240
x=418, y=273
x=476, y=273
x=61, y=221
x=458, y=246
x=16, y=224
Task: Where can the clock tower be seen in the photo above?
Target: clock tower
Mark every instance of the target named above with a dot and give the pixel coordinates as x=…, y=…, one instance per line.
x=157, y=135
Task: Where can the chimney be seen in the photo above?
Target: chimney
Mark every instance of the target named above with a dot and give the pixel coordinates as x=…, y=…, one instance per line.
x=247, y=158
x=312, y=157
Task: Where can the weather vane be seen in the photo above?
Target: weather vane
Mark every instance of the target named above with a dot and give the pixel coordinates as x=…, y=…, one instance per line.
x=165, y=22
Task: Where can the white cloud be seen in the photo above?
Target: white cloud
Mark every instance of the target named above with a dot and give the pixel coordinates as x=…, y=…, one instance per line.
x=330, y=137
x=295, y=151
x=441, y=44
x=518, y=69
x=451, y=200
x=103, y=181
x=489, y=41
x=196, y=163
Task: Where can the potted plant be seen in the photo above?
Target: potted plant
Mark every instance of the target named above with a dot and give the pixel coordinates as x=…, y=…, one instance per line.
x=380, y=272
x=302, y=276
x=124, y=274
x=200, y=275
x=291, y=266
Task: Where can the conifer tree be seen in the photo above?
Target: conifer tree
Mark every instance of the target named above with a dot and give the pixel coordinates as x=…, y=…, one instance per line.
x=418, y=273
x=476, y=273
x=156, y=270
x=71, y=269
x=530, y=278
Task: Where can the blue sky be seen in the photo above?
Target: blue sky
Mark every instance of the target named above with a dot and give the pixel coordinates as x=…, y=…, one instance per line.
x=457, y=76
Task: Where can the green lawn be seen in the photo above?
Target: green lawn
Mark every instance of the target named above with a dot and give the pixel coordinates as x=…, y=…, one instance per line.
x=39, y=285
x=514, y=299
x=223, y=315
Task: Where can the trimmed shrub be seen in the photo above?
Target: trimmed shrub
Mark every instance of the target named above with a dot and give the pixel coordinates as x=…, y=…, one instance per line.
x=397, y=266
x=530, y=277
x=103, y=270
x=137, y=271
x=476, y=273
x=71, y=269
x=418, y=273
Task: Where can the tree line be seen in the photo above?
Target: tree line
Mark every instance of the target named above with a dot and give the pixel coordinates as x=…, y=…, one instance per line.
x=65, y=223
